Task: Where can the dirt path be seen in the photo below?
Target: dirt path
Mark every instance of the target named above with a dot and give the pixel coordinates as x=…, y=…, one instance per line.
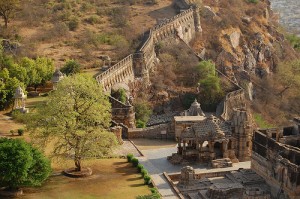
x=7, y=124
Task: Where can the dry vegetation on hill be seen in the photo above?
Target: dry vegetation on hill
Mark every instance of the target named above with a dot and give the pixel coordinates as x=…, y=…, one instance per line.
x=262, y=52
x=86, y=29
x=82, y=30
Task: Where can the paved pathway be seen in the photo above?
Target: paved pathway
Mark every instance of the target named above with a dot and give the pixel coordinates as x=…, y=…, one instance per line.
x=155, y=161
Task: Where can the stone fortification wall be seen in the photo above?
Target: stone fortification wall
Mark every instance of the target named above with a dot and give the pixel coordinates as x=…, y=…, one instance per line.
x=153, y=132
x=183, y=26
x=122, y=113
x=277, y=163
x=120, y=72
x=235, y=99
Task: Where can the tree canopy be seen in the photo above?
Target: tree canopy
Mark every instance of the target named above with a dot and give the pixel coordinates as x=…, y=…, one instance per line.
x=76, y=117
x=8, y=9
x=209, y=85
x=24, y=73
x=21, y=164
x=142, y=113
x=71, y=67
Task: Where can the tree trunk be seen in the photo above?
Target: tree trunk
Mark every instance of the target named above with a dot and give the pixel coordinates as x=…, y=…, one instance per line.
x=77, y=164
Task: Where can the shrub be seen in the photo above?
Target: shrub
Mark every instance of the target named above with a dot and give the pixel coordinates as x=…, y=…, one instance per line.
x=140, y=167
x=73, y=24
x=154, y=195
x=253, y=1
x=129, y=157
x=20, y=132
x=147, y=179
x=142, y=110
x=12, y=132
x=140, y=124
x=294, y=41
x=71, y=67
x=21, y=164
x=135, y=162
x=93, y=20
x=144, y=172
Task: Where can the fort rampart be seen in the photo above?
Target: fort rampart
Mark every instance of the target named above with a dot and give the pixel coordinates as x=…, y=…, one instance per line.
x=183, y=26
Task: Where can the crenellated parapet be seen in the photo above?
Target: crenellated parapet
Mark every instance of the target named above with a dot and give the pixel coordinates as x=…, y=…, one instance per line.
x=120, y=72
x=138, y=65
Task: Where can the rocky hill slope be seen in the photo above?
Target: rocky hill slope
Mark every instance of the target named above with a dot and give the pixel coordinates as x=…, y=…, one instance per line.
x=247, y=44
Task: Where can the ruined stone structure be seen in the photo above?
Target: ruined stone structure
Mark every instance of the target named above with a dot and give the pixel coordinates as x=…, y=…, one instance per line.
x=276, y=157
x=216, y=140
x=237, y=184
x=117, y=131
x=138, y=65
x=57, y=77
x=212, y=138
x=122, y=113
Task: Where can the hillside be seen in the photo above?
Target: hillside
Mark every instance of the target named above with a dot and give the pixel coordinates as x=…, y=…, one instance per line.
x=242, y=38
x=247, y=44
x=82, y=30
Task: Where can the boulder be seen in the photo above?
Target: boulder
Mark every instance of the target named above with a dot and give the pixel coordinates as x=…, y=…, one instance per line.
x=235, y=39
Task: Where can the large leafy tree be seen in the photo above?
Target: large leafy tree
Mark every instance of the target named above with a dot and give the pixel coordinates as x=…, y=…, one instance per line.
x=76, y=117
x=21, y=164
x=8, y=9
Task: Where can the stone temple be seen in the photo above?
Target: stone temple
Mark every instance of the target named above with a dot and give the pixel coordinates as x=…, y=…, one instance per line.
x=211, y=139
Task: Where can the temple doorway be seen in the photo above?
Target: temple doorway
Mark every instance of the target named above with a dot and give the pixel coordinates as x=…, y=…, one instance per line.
x=218, y=150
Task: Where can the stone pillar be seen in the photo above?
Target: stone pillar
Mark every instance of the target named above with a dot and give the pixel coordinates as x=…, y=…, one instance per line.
x=225, y=148
x=187, y=177
x=211, y=149
x=197, y=18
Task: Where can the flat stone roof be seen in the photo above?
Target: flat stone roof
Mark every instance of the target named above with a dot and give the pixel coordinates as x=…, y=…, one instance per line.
x=189, y=118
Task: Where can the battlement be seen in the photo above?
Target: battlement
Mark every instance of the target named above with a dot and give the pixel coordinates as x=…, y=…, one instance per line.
x=184, y=25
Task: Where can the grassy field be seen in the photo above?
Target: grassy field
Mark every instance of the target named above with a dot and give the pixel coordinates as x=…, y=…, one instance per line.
x=112, y=178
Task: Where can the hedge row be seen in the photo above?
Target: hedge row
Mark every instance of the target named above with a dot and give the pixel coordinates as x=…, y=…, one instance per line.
x=140, y=167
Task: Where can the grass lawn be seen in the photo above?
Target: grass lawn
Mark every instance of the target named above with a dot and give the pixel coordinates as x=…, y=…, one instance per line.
x=112, y=178
x=32, y=102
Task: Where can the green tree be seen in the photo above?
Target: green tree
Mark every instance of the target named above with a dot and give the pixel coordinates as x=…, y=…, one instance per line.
x=32, y=72
x=21, y=164
x=142, y=112
x=209, y=85
x=206, y=68
x=8, y=9
x=288, y=73
x=76, y=117
x=7, y=90
x=71, y=67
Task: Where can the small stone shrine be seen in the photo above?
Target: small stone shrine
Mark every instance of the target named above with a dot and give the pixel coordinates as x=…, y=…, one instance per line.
x=19, y=103
x=57, y=77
